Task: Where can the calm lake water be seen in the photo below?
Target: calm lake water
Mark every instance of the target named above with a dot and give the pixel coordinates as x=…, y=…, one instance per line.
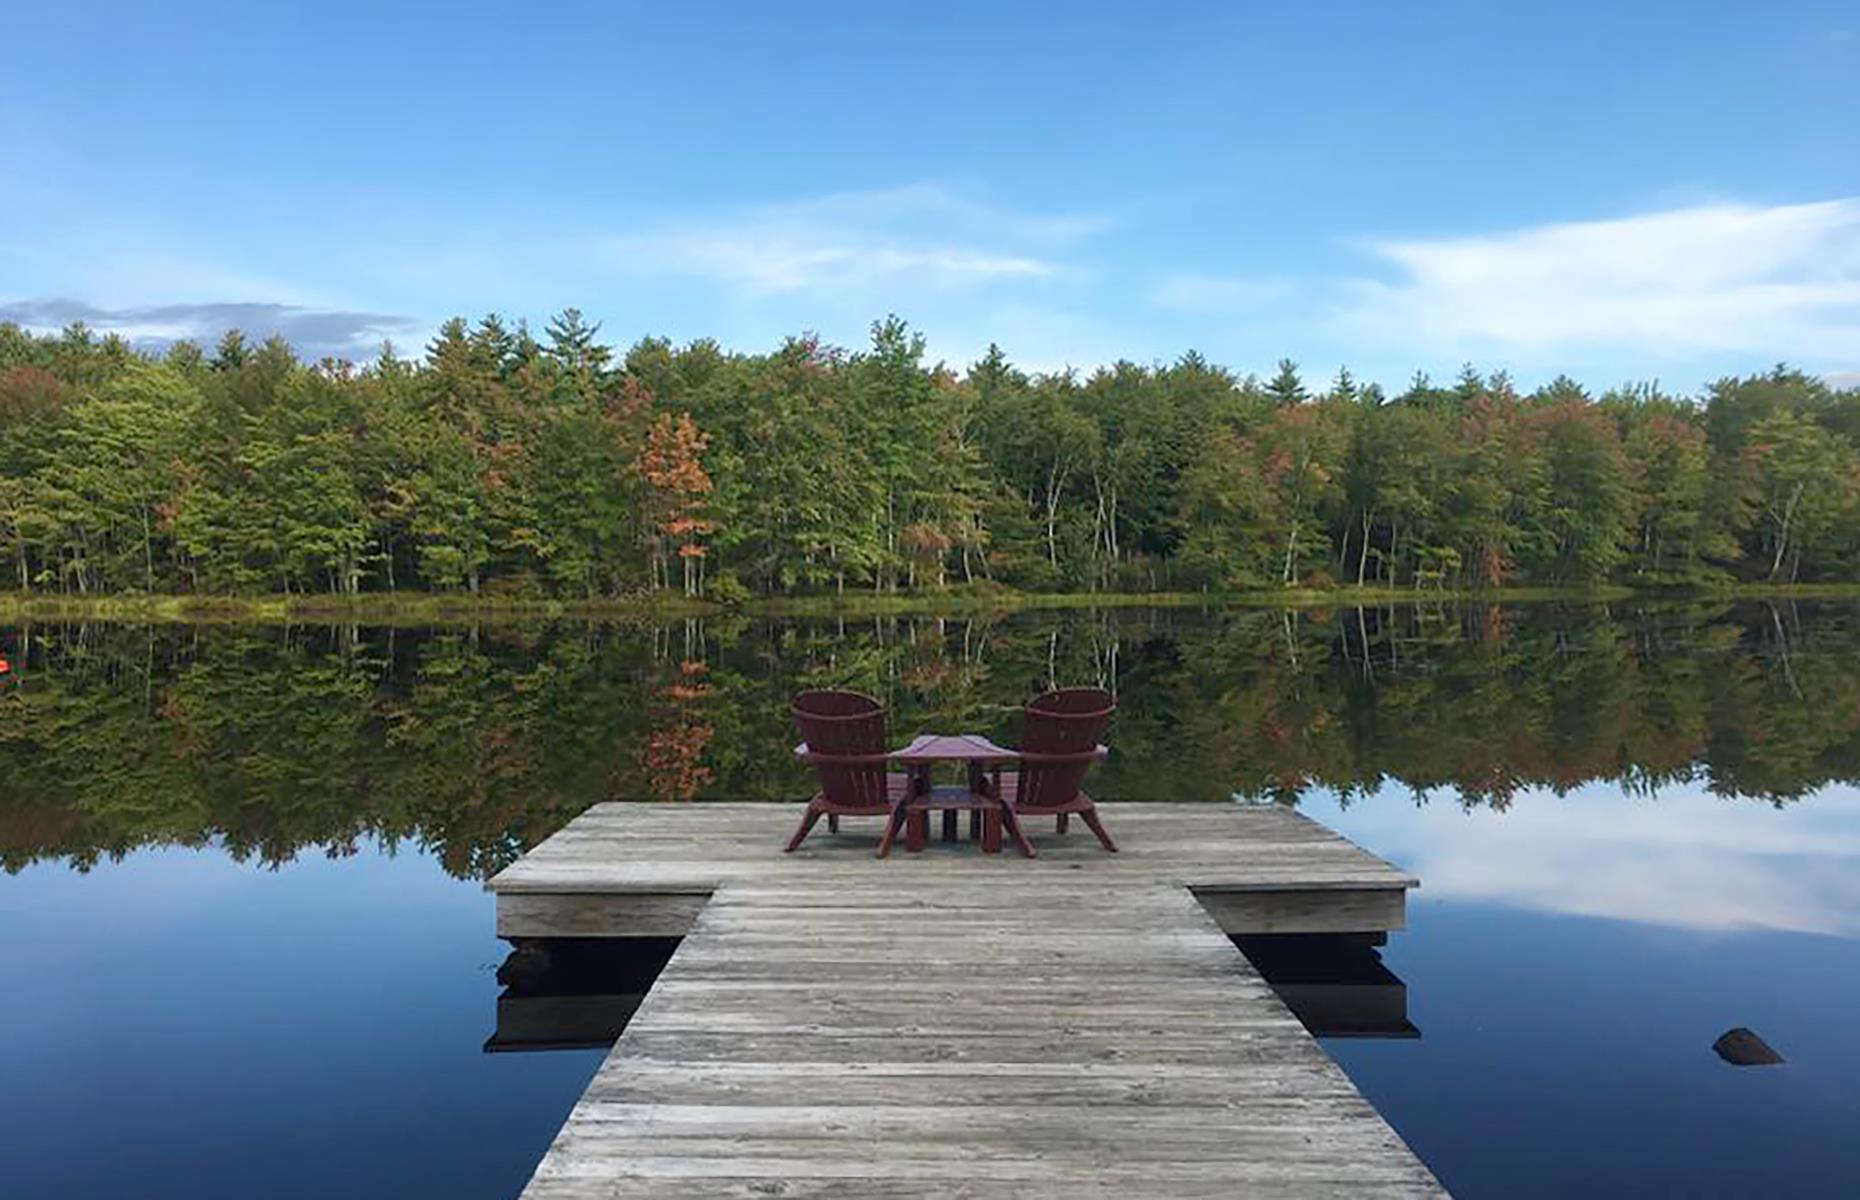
x=247, y=949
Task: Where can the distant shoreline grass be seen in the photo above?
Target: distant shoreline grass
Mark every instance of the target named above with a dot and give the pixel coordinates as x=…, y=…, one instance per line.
x=432, y=609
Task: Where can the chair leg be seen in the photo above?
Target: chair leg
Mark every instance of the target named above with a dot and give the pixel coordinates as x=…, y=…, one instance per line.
x=950, y=817
x=891, y=830
x=1092, y=822
x=916, y=830
x=833, y=822
x=975, y=824
x=991, y=831
x=800, y=835
x=1061, y=821
x=1020, y=835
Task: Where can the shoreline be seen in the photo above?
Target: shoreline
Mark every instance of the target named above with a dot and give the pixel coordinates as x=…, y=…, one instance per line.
x=430, y=609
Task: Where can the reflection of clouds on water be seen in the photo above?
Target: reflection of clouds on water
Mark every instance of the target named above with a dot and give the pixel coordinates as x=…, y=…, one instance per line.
x=1688, y=859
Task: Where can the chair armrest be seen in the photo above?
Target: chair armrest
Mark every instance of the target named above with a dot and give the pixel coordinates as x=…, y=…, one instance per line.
x=820, y=758
x=1095, y=754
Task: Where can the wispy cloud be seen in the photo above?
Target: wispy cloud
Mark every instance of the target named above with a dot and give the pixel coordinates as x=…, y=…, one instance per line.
x=1781, y=280
x=921, y=235
x=785, y=260
x=314, y=332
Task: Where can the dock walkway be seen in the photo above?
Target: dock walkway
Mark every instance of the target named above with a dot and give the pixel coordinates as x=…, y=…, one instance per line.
x=1078, y=1025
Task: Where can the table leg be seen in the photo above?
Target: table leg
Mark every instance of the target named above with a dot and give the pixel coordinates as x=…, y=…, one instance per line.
x=917, y=821
x=949, y=824
x=988, y=781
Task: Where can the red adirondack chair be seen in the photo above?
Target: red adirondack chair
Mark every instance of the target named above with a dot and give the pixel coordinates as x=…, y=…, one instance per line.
x=1058, y=744
x=844, y=734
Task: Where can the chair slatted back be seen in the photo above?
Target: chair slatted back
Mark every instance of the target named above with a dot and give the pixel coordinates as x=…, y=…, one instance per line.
x=1059, y=737
x=848, y=726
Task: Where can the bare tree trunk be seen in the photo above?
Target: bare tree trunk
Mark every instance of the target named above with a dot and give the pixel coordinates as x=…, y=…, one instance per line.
x=1052, y=516
x=1098, y=540
x=891, y=537
x=1782, y=536
x=148, y=554
x=1362, y=557
x=1111, y=529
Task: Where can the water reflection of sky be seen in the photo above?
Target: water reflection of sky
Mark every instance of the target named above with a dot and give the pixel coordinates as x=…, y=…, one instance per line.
x=179, y=1024
x=235, y=1022
x=1569, y=962
x=1685, y=859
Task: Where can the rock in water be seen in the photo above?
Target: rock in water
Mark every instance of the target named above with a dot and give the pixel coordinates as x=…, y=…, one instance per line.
x=1742, y=1048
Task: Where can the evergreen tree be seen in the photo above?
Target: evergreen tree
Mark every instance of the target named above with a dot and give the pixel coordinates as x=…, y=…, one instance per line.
x=1286, y=388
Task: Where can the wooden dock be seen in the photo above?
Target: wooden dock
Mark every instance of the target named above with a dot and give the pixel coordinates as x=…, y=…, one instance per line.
x=954, y=1024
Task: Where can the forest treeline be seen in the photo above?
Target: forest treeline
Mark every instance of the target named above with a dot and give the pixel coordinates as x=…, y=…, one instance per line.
x=503, y=463
x=478, y=743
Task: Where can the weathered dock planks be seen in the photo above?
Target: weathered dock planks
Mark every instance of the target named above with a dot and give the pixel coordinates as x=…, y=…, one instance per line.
x=646, y=869
x=1077, y=1025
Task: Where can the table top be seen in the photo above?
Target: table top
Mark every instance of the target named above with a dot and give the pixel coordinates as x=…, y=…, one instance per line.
x=953, y=747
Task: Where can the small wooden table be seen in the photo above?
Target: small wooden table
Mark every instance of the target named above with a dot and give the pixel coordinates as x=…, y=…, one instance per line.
x=981, y=798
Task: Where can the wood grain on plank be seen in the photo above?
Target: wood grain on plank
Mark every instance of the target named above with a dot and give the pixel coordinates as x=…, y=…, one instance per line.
x=949, y=1024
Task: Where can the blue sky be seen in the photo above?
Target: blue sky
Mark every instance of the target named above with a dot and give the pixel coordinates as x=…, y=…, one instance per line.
x=1617, y=190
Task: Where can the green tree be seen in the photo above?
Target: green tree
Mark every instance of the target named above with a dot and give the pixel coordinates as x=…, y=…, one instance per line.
x=1286, y=388
x=1588, y=508
x=1801, y=477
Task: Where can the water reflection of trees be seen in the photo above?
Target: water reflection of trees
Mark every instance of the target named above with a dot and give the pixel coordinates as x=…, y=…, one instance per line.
x=475, y=743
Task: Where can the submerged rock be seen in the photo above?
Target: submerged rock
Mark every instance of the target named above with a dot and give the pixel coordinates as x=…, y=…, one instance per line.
x=1742, y=1048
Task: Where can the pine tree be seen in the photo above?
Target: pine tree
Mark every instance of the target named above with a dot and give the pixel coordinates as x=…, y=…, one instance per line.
x=1286, y=388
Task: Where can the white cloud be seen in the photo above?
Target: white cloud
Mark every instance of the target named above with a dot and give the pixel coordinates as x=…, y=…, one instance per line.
x=922, y=235
x=1687, y=860
x=783, y=260
x=1842, y=379
x=1781, y=280
x=314, y=332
